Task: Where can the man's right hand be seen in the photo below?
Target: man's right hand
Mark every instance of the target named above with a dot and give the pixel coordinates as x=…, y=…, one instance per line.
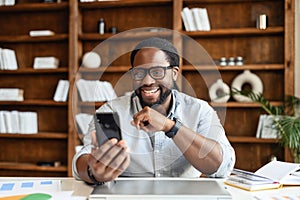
x=110, y=160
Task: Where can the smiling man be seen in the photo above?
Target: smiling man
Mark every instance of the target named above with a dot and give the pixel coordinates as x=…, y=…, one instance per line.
x=165, y=132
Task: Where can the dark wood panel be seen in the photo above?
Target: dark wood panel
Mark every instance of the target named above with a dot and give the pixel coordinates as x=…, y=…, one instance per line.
x=149, y=16
x=253, y=156
x=247, y=47
x=242, y=121
x=28, y=20
x=33, y=151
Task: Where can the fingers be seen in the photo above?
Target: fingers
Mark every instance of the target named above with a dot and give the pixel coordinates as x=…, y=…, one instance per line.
x=110, y=160
x=149, y=120
x=94, y=139
x=142, y=118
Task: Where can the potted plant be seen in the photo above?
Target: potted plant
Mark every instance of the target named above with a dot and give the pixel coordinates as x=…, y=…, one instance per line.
x=286, y=119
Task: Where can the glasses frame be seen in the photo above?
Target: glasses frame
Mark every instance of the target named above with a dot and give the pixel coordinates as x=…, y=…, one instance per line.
x=147, y=71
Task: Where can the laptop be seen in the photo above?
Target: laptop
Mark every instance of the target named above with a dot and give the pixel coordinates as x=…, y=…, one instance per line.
x=160, y=188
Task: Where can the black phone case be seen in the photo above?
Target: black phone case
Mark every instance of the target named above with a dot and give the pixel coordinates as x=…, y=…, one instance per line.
x=107, y=127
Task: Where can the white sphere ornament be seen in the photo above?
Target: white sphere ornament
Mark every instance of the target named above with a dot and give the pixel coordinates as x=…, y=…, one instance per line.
x=91, y=60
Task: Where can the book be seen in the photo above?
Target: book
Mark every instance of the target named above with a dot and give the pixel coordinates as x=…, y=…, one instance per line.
x=11, y=94
x=61, y=92
x=95, y=91
x=8, y=60
x=36, y=33
x=45, y=62
x=267, y=128
x=273, y=175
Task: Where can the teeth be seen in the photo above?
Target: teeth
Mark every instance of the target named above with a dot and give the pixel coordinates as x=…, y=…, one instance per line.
x=150, y=91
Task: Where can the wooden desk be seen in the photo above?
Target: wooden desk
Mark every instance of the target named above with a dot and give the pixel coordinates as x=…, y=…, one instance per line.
x=79, y=188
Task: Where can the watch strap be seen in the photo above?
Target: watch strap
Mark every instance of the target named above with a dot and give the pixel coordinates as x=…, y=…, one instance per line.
x=175, y=128
x=92, y=177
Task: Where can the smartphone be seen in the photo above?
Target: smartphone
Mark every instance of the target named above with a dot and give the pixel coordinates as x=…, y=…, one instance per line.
x=107, y=127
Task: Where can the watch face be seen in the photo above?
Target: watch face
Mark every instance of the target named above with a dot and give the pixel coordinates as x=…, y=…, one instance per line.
x=175, y=128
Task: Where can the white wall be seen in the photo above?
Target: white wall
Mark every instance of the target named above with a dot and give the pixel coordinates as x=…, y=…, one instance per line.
x=297, y=48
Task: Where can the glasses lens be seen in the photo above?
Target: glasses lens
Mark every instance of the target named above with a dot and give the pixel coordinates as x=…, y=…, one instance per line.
x=138, y=74
x=157, y=72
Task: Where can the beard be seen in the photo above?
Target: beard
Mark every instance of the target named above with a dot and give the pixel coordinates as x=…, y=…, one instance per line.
x=164, y=93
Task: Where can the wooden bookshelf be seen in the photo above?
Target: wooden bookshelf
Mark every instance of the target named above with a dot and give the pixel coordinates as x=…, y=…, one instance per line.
x=268, y=53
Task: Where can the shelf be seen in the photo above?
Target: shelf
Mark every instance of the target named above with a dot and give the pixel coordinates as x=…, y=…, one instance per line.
x=110, y=69
x=230, y=32
x=34, y=102
x=30, y=167
x=123, y=3
x=137, y=35
x=40, y=135
x=22, y=71
x=30, y=39
x=236, y=139
x=25, y=7
x=241, y=104
x=234, y=68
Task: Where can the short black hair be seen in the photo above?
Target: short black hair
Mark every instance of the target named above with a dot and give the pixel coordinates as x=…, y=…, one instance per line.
x=159, y=43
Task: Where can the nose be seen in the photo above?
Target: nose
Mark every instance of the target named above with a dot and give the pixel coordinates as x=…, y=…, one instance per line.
x=148, y=80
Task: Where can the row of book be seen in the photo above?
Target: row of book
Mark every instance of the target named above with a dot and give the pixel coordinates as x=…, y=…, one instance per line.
x=11, y=94
x=95, y=91
x=195, y=19
x=18, y=122
x=8, y=59
x=7, y=2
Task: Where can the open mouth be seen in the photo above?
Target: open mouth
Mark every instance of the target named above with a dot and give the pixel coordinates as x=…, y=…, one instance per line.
x=150, y=91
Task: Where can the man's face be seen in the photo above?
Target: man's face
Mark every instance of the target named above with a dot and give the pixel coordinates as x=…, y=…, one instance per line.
x=150, y=90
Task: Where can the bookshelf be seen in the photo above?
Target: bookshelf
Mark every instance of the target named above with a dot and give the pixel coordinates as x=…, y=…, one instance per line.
x=20, y=153
x=268, y=53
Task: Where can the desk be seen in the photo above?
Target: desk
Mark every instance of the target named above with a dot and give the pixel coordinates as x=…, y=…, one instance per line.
x=79, y=188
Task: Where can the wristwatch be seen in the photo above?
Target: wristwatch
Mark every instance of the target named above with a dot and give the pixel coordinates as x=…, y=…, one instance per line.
x=92, y=177
x=175, y=128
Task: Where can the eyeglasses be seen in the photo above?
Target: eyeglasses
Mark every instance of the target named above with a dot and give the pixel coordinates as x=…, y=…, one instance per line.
x=157, y=72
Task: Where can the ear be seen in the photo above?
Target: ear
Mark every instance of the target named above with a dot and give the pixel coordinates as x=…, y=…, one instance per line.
x=175, y=72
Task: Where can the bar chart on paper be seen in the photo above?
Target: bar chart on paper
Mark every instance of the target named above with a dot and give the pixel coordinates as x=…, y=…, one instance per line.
x=28, y=189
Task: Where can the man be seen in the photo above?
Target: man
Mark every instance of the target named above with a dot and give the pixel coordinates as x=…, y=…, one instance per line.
x=165, y=132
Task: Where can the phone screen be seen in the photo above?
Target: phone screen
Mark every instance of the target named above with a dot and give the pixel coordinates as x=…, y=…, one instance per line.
x=107, y=127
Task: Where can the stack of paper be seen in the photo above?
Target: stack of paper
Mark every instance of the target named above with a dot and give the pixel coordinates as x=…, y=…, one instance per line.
x=95, y=91
x=36, y=33
x=61, y=92
x=45, y=63
x=195, y=19
x=8, y=59
x=18, y=122
x=11, y=94
x=271, y=176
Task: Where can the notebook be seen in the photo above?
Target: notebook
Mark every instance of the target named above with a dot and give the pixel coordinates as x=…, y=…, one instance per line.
x=160, y=188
